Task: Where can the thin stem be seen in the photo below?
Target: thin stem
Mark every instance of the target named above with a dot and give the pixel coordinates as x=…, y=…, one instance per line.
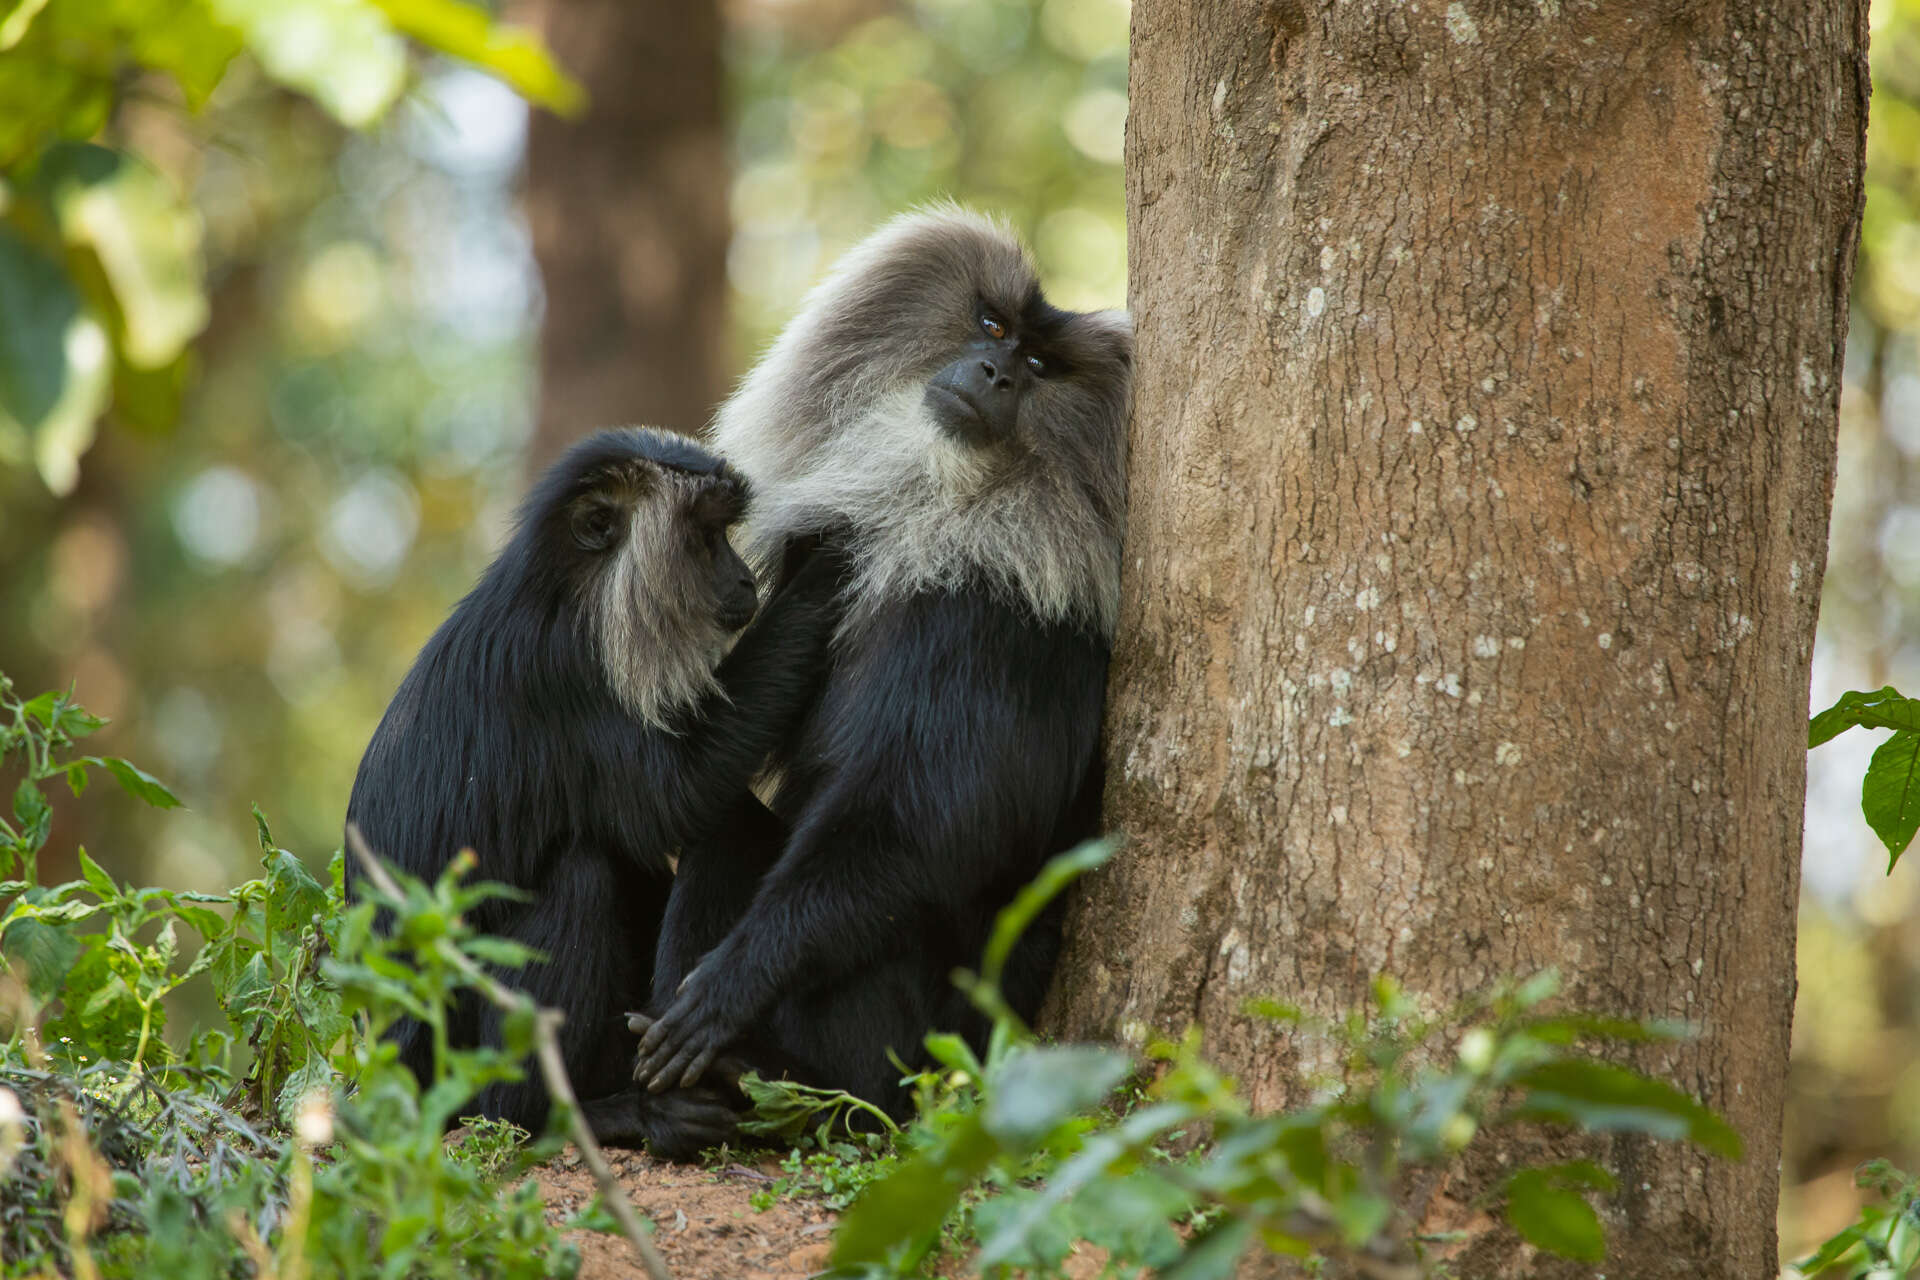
x=547, y=1050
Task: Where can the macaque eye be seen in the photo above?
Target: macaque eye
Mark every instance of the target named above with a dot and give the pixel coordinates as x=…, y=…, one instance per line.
x=1038, y=365
x=595, y=528
x=992, y=325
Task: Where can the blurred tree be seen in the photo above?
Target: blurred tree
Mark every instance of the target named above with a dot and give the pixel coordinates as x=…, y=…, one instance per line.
x=628, y=207
x=100, y=259
x=242, y=593
x=852, y=110
x=1488, y=366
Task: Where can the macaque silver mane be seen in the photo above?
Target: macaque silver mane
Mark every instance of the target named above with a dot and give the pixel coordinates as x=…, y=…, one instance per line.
x=886, y=410
x=931, y=418
x=576, y=720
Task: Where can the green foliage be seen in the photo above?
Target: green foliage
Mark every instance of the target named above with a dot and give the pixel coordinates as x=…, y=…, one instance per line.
x=1017, y=1154
x=833, y=1171
x=1887, y=285
x=796, y=1112
x=1884, y=1243
x=101, y=272
x=290, y=1139
x=1890, y=791
x=1014, y=106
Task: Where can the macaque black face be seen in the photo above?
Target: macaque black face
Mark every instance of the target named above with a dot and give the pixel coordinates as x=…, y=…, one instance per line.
x=735, y=593
x=976, y=399
x=622, y=503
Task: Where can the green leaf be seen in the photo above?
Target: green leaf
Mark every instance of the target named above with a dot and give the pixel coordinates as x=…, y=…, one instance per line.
x=1361, y=1215
x=291, y=889
x=35, y=814
x=1214, y=1254
x=469, y=33
x=1554, y=1218
x=1132, y=1217
x=42, y=708
x=1882, y=709
x=147, y=240
x=1039, y=1245
x=1274, y=1010
x=43, y=952
x=137, y=782
x=1569, y=1027
x=189, y=43
x=264, y=834
x=149, y=400
x=312, y=1076
x=341, y=53
x=1833, y=1250
x=899, y=1217
x=72, y=719
x=111, y=1002
x=46, y=91
x=1539, y=988
x=98, y=1017
x=1584, y=1174
x=1601, y=1097
x=1013, y=1234
x=1038, y=1090
x=166, y=946
x=501, y=953
x=953, y=1052
x=249, y=990
x=13, y=28
x=209, y=924
x=1034, y=897
x=97, y=879
x=56, y=366
x=1890, y=793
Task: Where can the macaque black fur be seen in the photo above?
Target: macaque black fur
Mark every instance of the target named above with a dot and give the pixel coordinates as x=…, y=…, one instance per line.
x=963, y=441
x=511, y=735
x=951, y=754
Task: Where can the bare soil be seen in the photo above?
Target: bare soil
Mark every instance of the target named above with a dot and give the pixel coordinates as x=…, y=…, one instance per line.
x=702, y=1220
x=706, y=1228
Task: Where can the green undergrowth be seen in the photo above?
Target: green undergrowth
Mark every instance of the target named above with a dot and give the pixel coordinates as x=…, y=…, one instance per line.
x=1160, y=1161
x=284, y=1139
x=282, y=1136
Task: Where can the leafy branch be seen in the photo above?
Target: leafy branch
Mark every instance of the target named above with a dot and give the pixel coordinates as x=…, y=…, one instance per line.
x=1890, y=791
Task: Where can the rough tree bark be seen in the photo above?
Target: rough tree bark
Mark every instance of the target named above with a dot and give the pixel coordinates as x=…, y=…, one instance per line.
x=628, y=207
x=1489, y=360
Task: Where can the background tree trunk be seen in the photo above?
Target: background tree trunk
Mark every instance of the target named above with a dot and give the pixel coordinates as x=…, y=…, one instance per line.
x=1489, y=361
x=629, y=213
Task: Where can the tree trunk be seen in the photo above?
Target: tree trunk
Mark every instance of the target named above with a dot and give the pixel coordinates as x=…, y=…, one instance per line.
x=1489, y=362
x=628, y=207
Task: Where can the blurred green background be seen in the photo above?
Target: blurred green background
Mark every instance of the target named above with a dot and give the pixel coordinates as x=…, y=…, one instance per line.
x=239, y=584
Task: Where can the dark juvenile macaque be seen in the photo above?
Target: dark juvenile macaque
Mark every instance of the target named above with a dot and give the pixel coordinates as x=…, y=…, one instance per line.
x=962, y=442
x=577, y=720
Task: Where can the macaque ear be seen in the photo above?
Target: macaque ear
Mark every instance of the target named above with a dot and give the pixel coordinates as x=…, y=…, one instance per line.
x=719, y=504
x=1113, y=332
